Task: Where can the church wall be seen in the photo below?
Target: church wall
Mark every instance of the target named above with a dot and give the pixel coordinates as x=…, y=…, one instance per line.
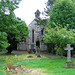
x=21, y=46
x=43, y=47
x=29, y=43
x=37, y=37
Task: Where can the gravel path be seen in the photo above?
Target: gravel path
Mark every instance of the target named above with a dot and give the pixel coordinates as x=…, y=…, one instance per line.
x=49, y=55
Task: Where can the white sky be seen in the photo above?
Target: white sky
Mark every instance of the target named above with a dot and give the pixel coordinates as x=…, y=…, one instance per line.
x=27, y=8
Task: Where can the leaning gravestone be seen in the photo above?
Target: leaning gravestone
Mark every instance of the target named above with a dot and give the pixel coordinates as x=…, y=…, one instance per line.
x=69, y=63
x=38, y=54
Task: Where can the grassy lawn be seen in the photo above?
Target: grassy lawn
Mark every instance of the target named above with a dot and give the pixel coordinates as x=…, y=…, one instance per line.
x=49, y=66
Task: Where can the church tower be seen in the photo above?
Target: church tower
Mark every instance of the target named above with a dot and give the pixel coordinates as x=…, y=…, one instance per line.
x=37, y=14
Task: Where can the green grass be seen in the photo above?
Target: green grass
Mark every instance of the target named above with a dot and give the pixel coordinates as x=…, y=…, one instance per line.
x=49, y=66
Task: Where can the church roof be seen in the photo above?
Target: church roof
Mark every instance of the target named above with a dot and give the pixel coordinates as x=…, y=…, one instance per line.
x=37, y=14
x=33, y=22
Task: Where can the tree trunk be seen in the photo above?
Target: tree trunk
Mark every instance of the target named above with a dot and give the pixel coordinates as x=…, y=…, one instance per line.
x=61, y=52
x=9, y=51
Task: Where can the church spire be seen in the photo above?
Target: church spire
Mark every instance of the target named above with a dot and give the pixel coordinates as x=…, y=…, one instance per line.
x=37, y=14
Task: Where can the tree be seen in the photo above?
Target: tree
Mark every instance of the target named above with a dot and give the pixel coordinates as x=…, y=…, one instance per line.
x=18, y=32
x=49, y=4
x=15, y=29
x=63, y=13
x=43, y=21
x=6, y=19
x=59, y=37
x=60, y=27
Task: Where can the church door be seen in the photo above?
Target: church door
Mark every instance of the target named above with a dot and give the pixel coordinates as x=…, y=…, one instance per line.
x=38, y=44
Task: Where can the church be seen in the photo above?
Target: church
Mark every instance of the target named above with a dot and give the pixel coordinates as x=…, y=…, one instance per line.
x=34, y=36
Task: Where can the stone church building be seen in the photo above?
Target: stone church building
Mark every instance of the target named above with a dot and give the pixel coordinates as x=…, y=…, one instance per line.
x=34, y=36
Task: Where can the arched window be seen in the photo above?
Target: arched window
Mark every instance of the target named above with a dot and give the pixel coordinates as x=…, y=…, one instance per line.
x=42, y=34
x=33, y=36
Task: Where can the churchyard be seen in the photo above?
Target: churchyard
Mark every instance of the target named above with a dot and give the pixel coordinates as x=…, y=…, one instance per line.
x=35, y=65
x=55, y=34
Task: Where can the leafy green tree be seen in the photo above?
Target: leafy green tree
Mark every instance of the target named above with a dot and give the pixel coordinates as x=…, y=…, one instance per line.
x=6, y=20
x=16, y=29
x=63, y=13
x=18, y=32
x=59, y=36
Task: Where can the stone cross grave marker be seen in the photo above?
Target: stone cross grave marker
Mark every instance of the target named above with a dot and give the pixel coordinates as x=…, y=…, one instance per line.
x=69, y=52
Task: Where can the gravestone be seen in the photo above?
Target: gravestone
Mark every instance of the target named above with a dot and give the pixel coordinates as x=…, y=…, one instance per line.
x=69, y=52
x=37, y=52
x=69, y=63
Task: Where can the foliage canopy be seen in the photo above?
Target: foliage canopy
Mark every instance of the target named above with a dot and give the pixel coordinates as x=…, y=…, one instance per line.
x=63, y=13
x=11, y=29
x=61, y=25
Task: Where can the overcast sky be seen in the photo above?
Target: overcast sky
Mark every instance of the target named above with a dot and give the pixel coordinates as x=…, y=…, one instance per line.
x=27, y=9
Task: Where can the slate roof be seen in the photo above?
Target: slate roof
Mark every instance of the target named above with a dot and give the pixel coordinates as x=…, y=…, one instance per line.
x=33, y=22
